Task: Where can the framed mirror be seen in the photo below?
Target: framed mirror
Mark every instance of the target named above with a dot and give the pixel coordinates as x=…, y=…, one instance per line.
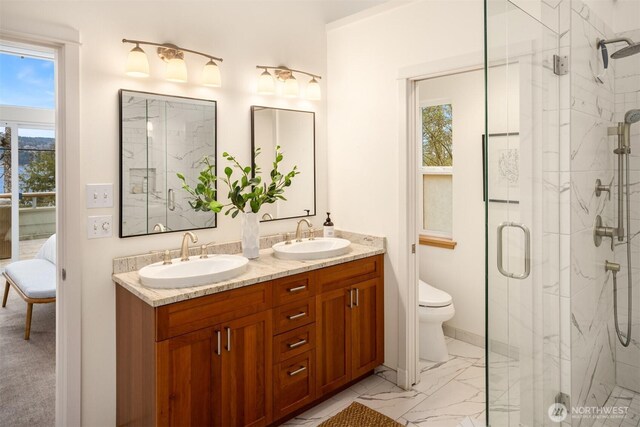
x=160, y=136
x=294, y=131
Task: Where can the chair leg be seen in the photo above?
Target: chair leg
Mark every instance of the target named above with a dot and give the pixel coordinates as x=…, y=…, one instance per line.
x=27, y=330
x=6, y=294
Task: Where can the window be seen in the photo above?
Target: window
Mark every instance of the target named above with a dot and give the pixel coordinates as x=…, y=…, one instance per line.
x=437, y=168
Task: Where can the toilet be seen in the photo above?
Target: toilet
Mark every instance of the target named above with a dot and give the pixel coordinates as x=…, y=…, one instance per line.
x=436, y=307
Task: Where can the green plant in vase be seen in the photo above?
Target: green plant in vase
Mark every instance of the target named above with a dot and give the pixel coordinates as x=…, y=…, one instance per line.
x=246, y=194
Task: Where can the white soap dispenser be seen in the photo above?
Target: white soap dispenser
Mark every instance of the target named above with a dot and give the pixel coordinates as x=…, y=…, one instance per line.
x=328, y=230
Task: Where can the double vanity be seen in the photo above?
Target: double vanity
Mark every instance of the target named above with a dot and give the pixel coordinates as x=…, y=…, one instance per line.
x=258, y=341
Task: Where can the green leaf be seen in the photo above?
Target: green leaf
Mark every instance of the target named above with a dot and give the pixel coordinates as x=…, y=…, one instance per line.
x=180, y=176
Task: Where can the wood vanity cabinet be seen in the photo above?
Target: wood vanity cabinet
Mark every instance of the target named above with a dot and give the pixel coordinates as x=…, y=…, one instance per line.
x=216, y=376
x=251, y=356
x=350, y=322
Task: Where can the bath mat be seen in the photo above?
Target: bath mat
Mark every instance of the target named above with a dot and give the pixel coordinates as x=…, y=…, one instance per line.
x=358, y=415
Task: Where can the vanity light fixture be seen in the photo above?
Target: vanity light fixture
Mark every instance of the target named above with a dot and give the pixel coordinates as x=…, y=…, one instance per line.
x=138, y=64
x=267, y=82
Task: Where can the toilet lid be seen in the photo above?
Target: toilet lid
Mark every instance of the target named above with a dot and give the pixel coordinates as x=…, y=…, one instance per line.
x=432, y=297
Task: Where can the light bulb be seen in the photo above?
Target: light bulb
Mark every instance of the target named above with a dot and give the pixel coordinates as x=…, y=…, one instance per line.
x=266, y=83
x=211, y=74
x=137, y=63
x=176, y=70
x=313, y=90
x=291, y=87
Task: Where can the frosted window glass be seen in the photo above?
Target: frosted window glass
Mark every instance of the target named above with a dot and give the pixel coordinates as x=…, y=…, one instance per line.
x=437, y=209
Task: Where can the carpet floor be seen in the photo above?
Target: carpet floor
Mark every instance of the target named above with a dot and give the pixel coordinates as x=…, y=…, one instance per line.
x=27, y=368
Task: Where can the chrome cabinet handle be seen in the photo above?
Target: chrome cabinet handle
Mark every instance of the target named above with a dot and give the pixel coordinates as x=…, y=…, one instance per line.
x=172, y=200
x=228, y=347
x=297, y=289
x=297, y=371
x=357, y=297
x=298, y=344
x=218, y=349
x=350, y=298
x=297, y=316
x=527, y=250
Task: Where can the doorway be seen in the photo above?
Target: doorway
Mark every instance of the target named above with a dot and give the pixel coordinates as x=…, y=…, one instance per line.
x=28, y=216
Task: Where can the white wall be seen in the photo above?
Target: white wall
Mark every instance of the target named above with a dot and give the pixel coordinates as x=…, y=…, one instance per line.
x=244, y=35
x=364, y=57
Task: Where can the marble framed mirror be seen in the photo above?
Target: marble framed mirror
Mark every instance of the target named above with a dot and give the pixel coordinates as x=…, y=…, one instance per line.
x=161, y=135
x=294, y=132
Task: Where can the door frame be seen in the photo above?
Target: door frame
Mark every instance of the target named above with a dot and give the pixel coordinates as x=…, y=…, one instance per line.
x=408, y=330
x=66, y=44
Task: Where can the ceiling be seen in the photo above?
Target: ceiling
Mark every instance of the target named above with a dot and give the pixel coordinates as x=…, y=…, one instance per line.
x=336, y=9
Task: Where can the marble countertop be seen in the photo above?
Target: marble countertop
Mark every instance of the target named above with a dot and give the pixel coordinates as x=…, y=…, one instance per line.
x=263, y=269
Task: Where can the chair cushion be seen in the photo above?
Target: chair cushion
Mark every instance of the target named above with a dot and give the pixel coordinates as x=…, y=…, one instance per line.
x=48, y=250
x=36, y=278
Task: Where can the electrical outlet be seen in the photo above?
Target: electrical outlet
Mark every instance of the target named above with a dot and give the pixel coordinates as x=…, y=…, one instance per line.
x=99, y=226
x=99, y=196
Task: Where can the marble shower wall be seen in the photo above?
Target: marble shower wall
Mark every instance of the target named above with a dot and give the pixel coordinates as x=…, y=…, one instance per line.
x=590, y=110
x=627, y=97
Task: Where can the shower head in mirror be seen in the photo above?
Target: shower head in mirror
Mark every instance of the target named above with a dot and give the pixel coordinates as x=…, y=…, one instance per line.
x=632, y=116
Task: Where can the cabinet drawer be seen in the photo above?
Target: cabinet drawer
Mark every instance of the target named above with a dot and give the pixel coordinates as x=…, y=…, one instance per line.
x=294, y=315
x=294, y=385
x=348, y=273
x=294, y=342
x=294, y=288
x=188, y=316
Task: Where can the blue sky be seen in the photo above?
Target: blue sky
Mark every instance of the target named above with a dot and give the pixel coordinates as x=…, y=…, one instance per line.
x=27, y=82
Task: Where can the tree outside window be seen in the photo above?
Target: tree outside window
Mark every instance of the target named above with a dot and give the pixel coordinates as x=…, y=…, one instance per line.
x=437, y=169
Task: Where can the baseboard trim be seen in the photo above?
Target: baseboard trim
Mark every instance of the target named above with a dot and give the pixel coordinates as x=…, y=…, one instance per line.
x=497, y=347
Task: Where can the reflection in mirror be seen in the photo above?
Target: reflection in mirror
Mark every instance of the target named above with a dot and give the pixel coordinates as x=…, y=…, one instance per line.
x=160, y=136
x=294, y=132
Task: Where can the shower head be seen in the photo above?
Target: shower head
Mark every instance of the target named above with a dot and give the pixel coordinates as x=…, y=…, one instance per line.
x=632, y=49
x=632, y=116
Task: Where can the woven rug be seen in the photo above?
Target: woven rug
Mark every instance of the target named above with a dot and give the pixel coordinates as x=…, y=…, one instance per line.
x=358, y=415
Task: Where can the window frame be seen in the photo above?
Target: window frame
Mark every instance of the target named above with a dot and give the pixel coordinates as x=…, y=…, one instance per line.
x=433, y=170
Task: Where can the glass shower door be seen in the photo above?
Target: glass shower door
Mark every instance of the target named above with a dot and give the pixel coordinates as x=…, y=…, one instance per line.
x=522, y=185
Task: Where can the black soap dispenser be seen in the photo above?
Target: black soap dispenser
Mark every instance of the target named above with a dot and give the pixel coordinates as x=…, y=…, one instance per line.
x=328, y=230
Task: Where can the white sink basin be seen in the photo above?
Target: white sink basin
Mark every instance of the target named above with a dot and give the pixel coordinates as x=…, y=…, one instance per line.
x=320, y=247
x=195, y=272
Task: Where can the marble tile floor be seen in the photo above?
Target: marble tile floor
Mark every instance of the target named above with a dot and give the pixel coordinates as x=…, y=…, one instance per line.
x=627, y=409
x=449, y=394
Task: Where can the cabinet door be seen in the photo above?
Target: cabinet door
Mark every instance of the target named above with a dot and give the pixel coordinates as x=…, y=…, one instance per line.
x=246, y=371
x=367, y=327
x=333, y=326
x=185, y=381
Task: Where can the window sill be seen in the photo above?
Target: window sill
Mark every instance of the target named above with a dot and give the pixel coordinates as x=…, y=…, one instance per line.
x=438, y=242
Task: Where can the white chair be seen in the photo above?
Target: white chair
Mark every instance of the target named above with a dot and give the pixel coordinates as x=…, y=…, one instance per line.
x=33, y=279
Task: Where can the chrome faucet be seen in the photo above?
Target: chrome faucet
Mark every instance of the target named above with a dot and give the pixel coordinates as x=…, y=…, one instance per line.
x=184, y=252
x=159, y=227
x=298, y=231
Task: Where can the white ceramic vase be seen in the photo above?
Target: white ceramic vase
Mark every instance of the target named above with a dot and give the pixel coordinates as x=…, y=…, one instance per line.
x=250, y=235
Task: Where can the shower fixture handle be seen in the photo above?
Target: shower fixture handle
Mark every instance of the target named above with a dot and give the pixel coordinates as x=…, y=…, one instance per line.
x=527, y=250
x=601, y=187
x=600, y=231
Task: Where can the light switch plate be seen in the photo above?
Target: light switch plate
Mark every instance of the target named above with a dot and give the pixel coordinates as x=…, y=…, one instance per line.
x=99, y=226
x=99, y=196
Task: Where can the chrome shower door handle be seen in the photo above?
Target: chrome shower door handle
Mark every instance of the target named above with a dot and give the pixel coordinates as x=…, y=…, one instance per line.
x=171, y=196
x=527, y=250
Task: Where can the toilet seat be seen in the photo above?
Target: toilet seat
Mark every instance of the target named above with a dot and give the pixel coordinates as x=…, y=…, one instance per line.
x=432, y=297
